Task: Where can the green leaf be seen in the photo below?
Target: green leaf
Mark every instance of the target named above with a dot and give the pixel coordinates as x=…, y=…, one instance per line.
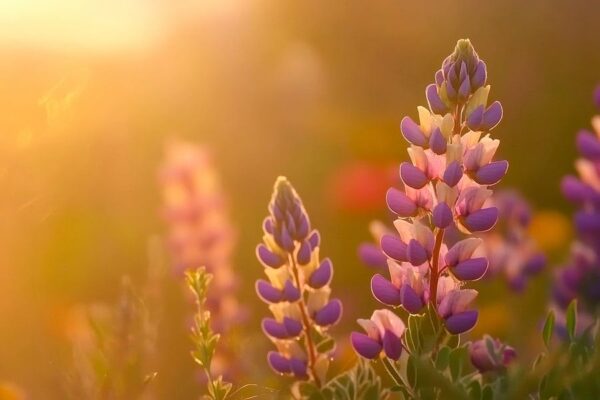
x=475, y=390
x=572, y=319
x=487, y=393
x=443, y=356
x=411, y=371
x=327, y=345
x=548, y=329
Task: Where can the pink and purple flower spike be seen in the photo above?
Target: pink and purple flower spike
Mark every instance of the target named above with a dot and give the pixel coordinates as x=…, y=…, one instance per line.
x=512, y=252
x=491, y=355
x=447, y=185
x=580, y=277
x=297, y=288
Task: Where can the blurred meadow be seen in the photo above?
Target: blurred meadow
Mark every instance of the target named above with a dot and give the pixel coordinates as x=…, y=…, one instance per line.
x=93, y=91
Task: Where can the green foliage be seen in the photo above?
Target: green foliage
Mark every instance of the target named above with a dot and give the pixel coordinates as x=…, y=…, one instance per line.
x=548, y=329
x=205, y=340
x=115, y=363
x=359, y=383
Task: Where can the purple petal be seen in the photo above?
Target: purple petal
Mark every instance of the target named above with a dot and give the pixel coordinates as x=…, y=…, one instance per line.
x=535, y=264
x=471, y=269
x=330, y=314
x=267, y=257
x=372, y=256
x=267, y=292
x=492, y=116
x=290, y=292
x=412, y=132
x=290, y=225
x=438, y=142
x=392, y=346
x=587, y=222
x=475, y=119
x=479, y=77
x=450, y=91
x=461, y=322
x=304, y=253
x=463, y=71
x=492, y=173
x=465, y=88
x=481, y=220
x=298, y=368
x=399, y=203
x=575, y=190
x=284, y=239
x=393, y=247
x=322, y=275
x=274, y=329
x=416, y=253
x=412, y=176
x=292, y=326
x=439, y=77
x=588, y=145
x=411, y=301
x=314, y=239
x=364, y=345
x=303, y=227
x=384, y=291
x=442, y=215
x=268, y=225
x=279, y=363
x=435, y=102
x=453, y=173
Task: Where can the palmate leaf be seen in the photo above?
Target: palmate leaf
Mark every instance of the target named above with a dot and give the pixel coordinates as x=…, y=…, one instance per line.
x=359, y=383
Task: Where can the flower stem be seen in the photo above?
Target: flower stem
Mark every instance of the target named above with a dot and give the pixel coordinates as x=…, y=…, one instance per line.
x=395, y=375
x=433, y=281
x=310, y=346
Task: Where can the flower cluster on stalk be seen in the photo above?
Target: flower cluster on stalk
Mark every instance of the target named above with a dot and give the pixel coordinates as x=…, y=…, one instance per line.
x=510, y=249
x=297, y=289
x=580, y=277
x=446, y=186
x=200, y=234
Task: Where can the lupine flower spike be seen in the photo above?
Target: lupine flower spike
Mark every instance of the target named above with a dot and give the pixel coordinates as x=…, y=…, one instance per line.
x=201, y=234
x=447, y=186
x=511, y=250
x=297, y=289
x=580, y=278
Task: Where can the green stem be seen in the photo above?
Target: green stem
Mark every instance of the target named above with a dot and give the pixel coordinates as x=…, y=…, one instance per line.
x=395, y=375
x=310, y=346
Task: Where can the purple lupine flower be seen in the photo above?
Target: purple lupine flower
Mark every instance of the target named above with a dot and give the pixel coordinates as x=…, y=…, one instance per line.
x=447, y=185
x=297, y=289
x=511, y=251
x=383, y=333
x=580, y=277
x=491, y=355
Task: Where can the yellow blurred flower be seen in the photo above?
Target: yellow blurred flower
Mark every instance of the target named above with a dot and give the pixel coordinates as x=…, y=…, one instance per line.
x=10, y=391
x=494, y=320
x=551, y=230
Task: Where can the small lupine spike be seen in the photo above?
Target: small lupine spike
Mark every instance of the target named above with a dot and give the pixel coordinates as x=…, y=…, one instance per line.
x=291, y=246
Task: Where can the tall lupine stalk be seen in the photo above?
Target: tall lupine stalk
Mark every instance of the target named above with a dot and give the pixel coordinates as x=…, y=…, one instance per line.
x=580, y=278
x=297, y=289
x=446, y=184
